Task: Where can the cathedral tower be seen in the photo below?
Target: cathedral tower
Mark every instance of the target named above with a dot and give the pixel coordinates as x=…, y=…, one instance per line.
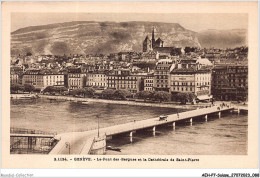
x=147, y=44
x=153, y=39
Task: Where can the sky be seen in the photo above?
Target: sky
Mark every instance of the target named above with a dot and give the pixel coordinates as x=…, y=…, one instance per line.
x=195, y=22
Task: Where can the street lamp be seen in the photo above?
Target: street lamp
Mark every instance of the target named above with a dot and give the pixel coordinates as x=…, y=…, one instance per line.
x=68, y=146
x=98, y=122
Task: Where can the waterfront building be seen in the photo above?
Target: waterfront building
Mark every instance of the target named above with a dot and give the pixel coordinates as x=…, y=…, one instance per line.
x=230, y=82
x=76, y=78
x=16, y=75
x=53, y=78
x=96, y=79
x=191, y=80
x=33, y=77
x=203, y=78
x=162, y=74
x=40, y=79
x=123, y=79
x=14, y=78
x=149, y=82
x=183, y=80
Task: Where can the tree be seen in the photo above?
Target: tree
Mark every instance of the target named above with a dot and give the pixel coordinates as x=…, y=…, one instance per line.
x=144, y=95
x=162, y=96
x=89, y=91
x=16, y=88
x=28, y=88
x=76, y=92
x=49, y=89
x=121, y=94
x=61, y=89
x=108, y=93
x=192, y=96
x=183, y=97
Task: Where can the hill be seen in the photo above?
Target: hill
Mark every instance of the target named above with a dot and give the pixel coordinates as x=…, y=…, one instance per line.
x=83, y=37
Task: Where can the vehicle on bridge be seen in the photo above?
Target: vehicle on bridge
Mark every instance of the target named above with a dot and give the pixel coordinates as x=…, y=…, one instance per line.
x=163, y=117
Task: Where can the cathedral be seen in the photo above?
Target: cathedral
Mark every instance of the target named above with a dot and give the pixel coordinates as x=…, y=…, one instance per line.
x=157, y=47
x=149, y=45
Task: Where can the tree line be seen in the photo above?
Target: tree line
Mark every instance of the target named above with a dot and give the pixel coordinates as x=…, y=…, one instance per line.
x=16, y=88
x=117, y=94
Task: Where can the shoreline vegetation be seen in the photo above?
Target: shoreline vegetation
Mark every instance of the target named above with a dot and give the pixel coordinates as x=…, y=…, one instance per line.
x=176, y=105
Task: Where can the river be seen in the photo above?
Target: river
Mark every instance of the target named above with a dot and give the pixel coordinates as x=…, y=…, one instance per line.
x=224, y=136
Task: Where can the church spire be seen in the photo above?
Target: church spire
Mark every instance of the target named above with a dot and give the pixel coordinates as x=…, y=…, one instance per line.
x=153, y=40
x=153, y=34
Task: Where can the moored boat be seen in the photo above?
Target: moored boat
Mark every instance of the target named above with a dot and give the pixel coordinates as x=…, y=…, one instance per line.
x=113, y=148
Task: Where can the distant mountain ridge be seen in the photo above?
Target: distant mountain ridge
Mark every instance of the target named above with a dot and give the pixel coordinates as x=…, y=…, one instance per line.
x=84, y=37
x=223, y=38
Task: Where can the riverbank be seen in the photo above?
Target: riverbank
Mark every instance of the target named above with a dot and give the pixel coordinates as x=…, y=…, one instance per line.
x=134, y=103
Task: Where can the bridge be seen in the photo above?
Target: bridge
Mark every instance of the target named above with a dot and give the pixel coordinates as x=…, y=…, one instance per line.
x=83, y=142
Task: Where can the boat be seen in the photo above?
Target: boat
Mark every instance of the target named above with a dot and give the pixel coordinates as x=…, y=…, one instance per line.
x=24, y=96
x=113, y=148
x=84, y=102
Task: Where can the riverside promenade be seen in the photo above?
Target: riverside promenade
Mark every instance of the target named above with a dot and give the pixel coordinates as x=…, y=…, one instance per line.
x=82, y=142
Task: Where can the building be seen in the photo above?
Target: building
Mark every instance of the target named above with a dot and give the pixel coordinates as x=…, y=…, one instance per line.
x=162, y=75
x=14, y=78
x=190, y=80
x=158, y=47
x=230, y=82
x=53, y=78
x=122, y=79
x=40, y=79
x=183, y=81
x=147, y=44
x=76, y=78
x=203, y=84
x=16, y=74
x=149, y=82
x=96, y=79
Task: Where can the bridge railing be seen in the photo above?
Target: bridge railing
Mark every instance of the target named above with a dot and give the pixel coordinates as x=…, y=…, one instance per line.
x=14, y=130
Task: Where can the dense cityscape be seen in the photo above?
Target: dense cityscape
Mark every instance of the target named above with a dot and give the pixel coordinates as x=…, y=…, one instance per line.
x=158, y=73
x=124, y=92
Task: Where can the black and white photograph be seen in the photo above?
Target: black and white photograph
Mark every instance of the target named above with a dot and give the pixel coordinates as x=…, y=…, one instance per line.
x=120, y=84
x=127, y=84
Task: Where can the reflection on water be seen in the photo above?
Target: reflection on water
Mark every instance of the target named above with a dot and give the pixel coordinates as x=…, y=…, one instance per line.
x=60, y=117
x=224, y=136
